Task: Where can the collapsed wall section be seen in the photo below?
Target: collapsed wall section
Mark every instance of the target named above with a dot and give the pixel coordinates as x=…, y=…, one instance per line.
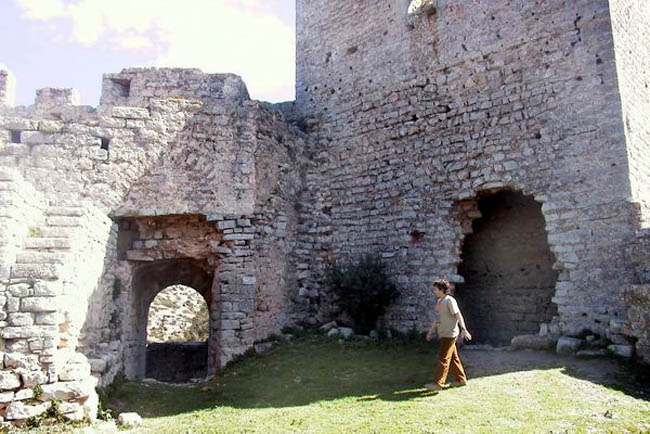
x=195, y=147
x=414, y=113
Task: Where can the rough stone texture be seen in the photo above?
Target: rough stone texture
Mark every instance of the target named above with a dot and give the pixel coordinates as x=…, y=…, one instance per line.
x=174, y=313
x=508, y=283
x=7, y=88
x=567, y=345
x=407, y=115
x=534, y=342
x=129, y=420
x=405, y=147
x=216, y=214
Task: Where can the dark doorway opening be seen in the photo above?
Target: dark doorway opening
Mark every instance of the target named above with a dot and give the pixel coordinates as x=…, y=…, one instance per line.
x=171, y=361
x=177, y=335
x=508, y=270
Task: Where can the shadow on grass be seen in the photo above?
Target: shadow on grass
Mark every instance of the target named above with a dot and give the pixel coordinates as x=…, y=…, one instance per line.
x=318, y=369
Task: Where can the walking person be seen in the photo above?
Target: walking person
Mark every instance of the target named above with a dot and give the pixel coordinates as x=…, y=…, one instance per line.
x=449, y=324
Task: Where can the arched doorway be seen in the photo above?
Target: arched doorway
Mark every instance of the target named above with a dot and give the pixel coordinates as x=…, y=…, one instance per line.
x=178, y=329
x=508, y=269
x=149, y=279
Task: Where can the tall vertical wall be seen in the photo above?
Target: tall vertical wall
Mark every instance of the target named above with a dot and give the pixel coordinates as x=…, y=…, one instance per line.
x=631, y=24
x=416, y=113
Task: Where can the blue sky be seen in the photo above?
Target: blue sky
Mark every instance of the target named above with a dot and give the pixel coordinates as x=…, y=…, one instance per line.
x=71, y=43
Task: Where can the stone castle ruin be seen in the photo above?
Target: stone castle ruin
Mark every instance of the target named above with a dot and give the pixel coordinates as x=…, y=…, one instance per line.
x=502, y=144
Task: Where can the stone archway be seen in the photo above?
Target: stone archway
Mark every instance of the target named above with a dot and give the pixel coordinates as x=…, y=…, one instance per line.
x=178, y=330
x=151, y=278
x=508, y=269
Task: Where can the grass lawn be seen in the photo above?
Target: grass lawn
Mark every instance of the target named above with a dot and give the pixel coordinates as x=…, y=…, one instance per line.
x=317, y=385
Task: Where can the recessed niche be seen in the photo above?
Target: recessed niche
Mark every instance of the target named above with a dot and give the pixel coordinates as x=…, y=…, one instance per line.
x=15, y=136
x=122, y=86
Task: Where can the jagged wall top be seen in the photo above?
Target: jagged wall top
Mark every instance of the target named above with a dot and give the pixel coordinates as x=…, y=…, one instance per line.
x=135, y=86
x=7, y=88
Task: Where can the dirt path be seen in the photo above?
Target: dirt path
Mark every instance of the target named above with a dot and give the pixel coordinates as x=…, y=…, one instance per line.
x=605, y=371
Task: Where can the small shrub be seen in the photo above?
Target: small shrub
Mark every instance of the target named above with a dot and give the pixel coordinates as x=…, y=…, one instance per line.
x=363, y=289
x=38, y=391
x=34, y=232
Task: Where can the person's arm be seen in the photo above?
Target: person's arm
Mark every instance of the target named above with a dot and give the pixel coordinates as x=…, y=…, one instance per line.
x=432, y=330
x=463, y=330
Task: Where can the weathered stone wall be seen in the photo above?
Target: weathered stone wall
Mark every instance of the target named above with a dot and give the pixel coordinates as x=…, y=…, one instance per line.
x=416, y=113
x=7, y=88
x=631, y=25
x=196, y=146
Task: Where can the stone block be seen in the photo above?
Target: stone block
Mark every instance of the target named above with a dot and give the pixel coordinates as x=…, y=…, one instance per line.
x=589, y=354
x=20, y=332
x=9, y=380
x=624, y=351
x=6, y=397
x=18, y=410
x=346, y=332
x=567, y=345
x=533, y=342
x=130, y=112
x=24, y=394
x=66, y=391
x=34, y=377
x=13, y=304
x=20, y=360
x=48, y=318
x=97, y=365
x=19, y=290
x=227, y=224
x=129, y=420
x=328, y=326
x=333, y=332
x=617, y=326
x=40, y=304
x=262, y=348
x=21, y=319
x=74, y=371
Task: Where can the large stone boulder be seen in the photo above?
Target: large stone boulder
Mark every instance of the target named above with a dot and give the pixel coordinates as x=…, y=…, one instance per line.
x=568, y=346
x=533, y=342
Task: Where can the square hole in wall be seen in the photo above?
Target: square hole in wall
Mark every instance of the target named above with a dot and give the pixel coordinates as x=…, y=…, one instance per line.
x=105, y=143
x=15, y=136
x=122, y=86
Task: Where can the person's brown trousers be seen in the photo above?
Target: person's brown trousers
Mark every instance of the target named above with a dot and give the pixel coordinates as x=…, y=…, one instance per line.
x=449, y=361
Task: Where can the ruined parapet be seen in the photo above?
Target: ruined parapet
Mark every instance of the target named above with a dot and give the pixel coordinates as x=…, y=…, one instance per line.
x=7, y=88
x=136, y=86
x=50, y=97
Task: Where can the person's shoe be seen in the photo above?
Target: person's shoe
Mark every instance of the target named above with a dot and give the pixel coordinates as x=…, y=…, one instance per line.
x=458, y=384
x=435, y=387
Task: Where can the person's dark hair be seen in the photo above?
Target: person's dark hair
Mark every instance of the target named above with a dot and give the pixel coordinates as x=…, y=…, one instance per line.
x=442, y=285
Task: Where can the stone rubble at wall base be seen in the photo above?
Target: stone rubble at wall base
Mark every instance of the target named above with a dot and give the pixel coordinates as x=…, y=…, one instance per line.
x=404, y=118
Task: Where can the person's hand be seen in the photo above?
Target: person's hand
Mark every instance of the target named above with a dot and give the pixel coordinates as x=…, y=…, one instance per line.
x=466, y=335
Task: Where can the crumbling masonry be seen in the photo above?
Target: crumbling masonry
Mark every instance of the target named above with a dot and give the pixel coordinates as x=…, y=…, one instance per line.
x=502, y=144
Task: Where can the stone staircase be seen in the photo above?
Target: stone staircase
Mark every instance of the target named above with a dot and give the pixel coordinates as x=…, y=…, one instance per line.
x=45, y=250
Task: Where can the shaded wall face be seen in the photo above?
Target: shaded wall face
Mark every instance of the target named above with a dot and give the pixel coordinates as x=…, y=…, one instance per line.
x=507, y=267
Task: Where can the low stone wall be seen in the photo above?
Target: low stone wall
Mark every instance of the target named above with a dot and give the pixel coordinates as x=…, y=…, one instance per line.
x=637, y=298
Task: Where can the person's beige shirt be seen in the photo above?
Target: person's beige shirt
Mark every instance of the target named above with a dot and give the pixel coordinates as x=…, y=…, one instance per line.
x=447, y=322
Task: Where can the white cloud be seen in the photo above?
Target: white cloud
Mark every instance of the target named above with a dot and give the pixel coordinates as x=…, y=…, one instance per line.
x=239, y=36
